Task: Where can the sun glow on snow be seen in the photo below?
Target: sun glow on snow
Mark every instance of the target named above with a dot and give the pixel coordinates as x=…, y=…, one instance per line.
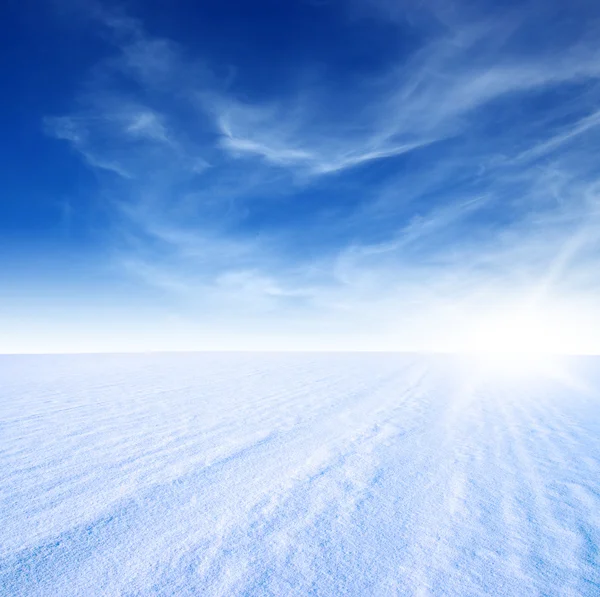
x=522, y=339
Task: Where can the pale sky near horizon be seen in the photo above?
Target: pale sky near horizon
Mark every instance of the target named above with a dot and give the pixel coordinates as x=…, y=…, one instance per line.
x=360, y=174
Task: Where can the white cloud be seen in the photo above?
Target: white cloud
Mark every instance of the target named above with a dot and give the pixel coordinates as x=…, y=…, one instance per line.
x=183, y=241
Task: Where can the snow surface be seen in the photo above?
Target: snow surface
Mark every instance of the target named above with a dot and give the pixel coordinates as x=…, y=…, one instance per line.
x=297, y=474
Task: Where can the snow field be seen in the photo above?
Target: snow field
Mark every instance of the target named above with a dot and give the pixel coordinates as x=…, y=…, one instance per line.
x=297, y=474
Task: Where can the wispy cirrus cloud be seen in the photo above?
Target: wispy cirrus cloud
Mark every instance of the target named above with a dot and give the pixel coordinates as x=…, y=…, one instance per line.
x=391, y=194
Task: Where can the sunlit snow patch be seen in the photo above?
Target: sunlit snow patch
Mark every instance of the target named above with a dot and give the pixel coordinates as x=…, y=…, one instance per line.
x=517, y=341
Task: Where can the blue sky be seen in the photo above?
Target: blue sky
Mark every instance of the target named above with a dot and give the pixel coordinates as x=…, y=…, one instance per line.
x=303, y=174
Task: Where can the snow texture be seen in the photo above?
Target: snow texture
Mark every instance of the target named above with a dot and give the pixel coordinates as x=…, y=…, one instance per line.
x=297, y=474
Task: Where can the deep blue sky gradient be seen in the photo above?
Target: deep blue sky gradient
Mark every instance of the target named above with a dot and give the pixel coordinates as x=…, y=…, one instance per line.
x=295, y=174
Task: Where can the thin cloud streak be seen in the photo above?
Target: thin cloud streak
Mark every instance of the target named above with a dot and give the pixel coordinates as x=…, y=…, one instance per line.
x=498, y=238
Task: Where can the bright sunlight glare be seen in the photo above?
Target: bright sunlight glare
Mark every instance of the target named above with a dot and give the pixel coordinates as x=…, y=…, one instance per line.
x=521, y=339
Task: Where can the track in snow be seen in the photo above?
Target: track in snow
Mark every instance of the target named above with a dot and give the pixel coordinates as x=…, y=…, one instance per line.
x=296, y=474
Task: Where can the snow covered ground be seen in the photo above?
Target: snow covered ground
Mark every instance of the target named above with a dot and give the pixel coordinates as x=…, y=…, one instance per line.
x=297, y=474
